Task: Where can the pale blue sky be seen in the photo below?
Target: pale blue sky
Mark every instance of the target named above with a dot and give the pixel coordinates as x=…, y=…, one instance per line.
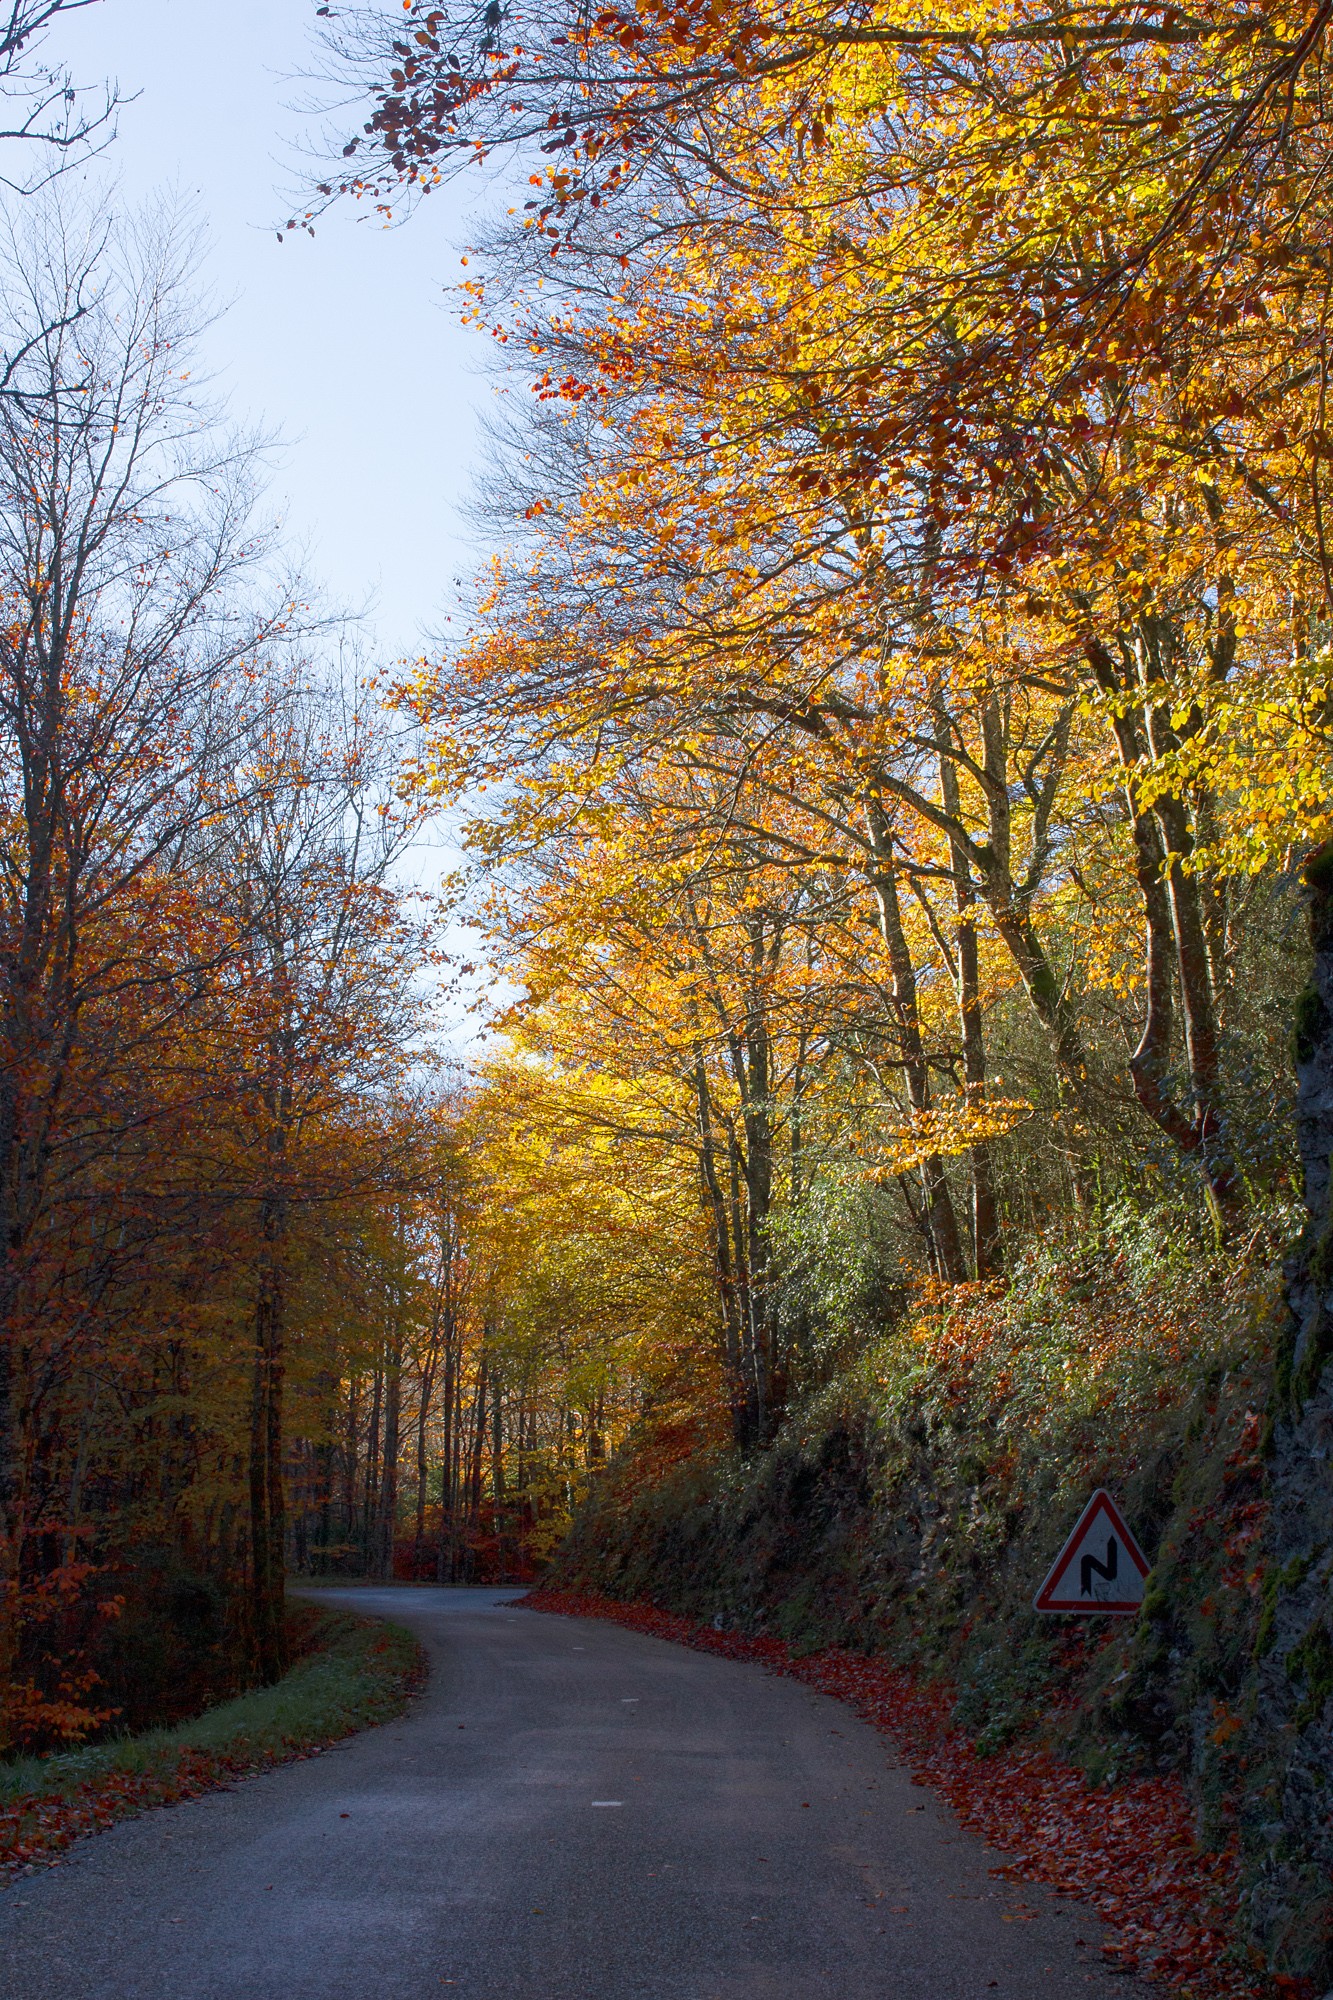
x=346, y=344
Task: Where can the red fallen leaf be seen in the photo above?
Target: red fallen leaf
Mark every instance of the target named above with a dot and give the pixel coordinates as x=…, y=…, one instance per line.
x=1075, y=1841
x=37, y=1830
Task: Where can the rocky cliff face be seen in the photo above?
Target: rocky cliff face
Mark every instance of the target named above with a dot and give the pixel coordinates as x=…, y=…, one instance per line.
x=1288, y=1759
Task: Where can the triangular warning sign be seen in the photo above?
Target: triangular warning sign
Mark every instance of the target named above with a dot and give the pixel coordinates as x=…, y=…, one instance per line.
x=1100, y=1568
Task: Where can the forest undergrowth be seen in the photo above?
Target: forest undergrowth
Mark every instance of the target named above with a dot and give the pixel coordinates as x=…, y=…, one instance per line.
x=350, y=1673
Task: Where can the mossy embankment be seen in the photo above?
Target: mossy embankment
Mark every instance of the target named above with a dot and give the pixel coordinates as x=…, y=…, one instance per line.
x=351, y=1673
x=913, y=1508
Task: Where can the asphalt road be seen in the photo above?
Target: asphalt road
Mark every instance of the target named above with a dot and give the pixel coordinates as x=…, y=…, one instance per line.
x=571, y=1812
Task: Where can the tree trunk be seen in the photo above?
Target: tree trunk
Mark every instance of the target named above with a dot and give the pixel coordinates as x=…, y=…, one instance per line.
x=752, y=1067
x=478, y=1443
x=11, y=1497
x=426, y=1389
x=752, y=1381
x=986, y=1259
x=387, y=1510
x=729, y=1308
x=1175, y=948
x=267, y=1504
x=370, y=1497
x=444, y=1557
x=498, y=1473
x=941, y=1218
x=351, y=1459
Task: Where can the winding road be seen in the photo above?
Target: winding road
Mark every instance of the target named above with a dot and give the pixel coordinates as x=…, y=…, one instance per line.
x=571, y=1811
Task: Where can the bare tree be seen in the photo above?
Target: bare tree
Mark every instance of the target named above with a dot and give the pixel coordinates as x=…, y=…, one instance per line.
x=126, y=533
x=47, y=119
x=320, y=1007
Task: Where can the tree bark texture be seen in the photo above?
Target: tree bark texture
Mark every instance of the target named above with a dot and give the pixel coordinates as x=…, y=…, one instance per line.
x=940, y=1215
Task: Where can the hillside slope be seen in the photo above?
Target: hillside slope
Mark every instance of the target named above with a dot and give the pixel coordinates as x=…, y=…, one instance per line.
x=915, y=1510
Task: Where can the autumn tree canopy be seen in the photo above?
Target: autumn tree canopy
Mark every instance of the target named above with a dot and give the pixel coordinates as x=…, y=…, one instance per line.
x=898, y=705
x=887, y=736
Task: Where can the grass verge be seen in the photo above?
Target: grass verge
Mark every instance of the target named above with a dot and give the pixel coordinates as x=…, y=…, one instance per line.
x=352, y=1673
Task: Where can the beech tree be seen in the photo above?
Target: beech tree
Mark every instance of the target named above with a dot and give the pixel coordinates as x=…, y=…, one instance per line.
x=931, y=378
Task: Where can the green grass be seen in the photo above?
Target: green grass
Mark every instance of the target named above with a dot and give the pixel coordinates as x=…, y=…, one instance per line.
x=354, y=1672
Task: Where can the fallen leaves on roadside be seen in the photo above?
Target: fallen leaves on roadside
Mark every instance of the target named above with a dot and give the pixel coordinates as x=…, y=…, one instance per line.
x=35, y=1830
x=1126, y=1850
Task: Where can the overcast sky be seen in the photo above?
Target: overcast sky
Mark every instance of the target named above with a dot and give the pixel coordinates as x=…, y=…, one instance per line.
x=347, y=344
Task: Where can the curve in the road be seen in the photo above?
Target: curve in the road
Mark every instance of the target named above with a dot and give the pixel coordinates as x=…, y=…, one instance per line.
x=571, y=1811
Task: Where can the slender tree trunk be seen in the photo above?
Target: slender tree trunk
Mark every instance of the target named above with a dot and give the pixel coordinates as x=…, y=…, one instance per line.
x=1175, y=948
x=326, y=1456
x=498, y=1472
x=1198, y=1004
x=427, y=1386
x=459, y=1470
x=941, y=1219
x=752, y=1065
x=478, y=1446
x=1010, y=910
x=370, y=1496
x=351, y=1460
x=985, y=1213
x=753, y=1383
x=728, y=1291
x=444, y=1554
x=267, y=1505
x=11, y=1491
x=1155, y=648
x=387, y=1511
x=986, y=1251
x=1043, y=988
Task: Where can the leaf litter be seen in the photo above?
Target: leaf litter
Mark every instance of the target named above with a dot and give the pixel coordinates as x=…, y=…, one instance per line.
x=1127, y=1850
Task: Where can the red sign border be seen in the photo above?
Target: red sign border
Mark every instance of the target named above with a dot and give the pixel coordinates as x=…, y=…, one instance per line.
x=1101, y=1502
